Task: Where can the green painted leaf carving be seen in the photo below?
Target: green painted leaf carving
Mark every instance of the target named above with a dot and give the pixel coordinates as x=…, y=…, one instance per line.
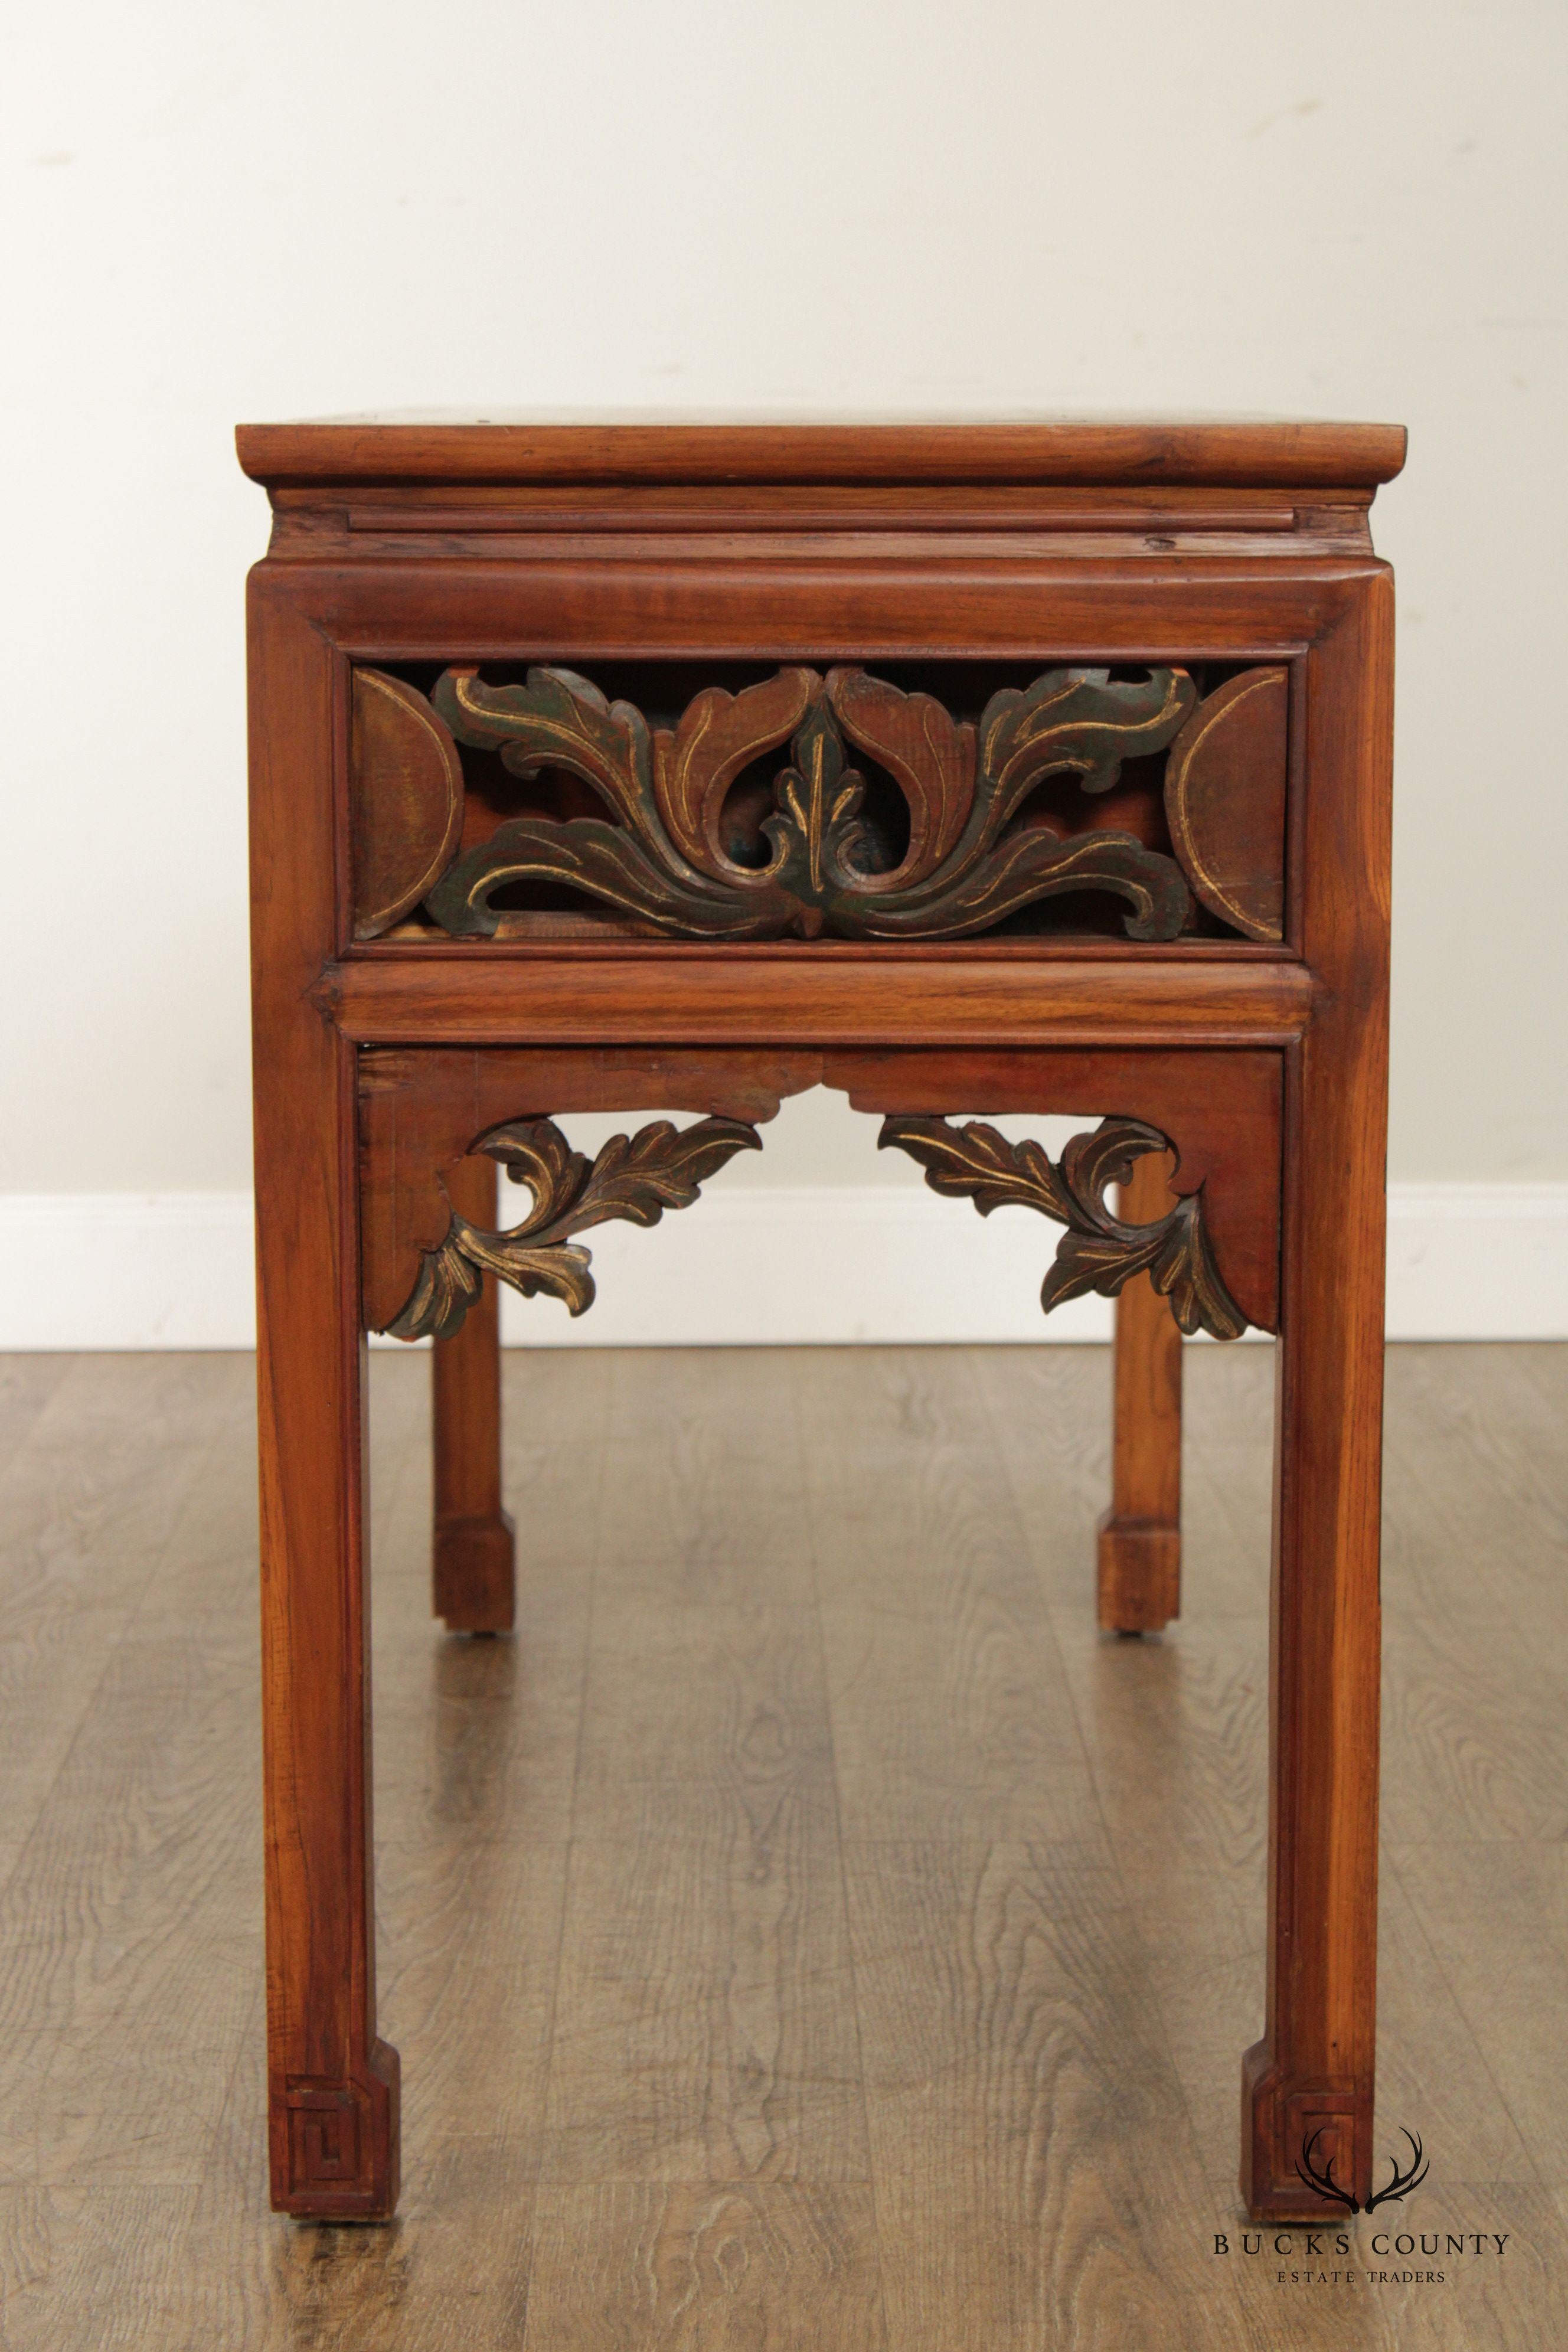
x=637, y=1177
x=968, y=867
x=1099, y=1252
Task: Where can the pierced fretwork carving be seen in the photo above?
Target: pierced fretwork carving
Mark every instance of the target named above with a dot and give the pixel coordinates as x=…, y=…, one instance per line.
x=1099, y=1253
x=815, y=862
x=637, y=1177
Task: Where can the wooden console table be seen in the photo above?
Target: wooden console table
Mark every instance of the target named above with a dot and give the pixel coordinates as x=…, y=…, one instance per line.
x=1036, y=767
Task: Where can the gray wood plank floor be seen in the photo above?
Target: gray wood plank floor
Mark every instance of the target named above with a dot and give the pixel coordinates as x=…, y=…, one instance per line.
x=808, y=1932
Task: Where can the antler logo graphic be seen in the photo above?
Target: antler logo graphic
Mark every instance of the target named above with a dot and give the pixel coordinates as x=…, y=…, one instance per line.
x=1400, y=2184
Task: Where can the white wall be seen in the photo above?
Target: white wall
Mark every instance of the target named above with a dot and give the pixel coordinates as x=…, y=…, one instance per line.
x=252, y=210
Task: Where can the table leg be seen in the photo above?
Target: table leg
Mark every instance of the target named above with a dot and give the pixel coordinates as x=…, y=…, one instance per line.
x=1308, y=2083
x=1139, y=1538
x=332, y=2085
x=472, y=1554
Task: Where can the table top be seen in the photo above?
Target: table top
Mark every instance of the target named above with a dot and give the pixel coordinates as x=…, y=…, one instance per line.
x=501, y=448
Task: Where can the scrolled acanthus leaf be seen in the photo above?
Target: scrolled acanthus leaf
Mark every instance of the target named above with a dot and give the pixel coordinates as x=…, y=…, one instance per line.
x=635, y=1177
x=1099, y=1252
x=661, y=855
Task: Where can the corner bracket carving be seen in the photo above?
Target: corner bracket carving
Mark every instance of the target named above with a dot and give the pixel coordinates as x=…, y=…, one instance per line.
x=637, y=1177
x=1099, y=1252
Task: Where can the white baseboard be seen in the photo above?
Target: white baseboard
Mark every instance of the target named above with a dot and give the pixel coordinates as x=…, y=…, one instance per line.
x=756, y=1264
x=1477, y=1262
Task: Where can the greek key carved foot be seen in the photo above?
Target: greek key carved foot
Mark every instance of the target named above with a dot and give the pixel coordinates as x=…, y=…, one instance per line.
x=334, y=2142
x=1292, y=2130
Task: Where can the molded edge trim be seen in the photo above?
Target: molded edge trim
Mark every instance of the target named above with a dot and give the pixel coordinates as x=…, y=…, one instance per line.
x=1233, y=454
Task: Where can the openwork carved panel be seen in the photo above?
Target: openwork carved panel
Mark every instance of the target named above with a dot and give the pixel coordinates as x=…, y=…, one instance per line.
x=833, y=804
x=423, y=1112
x=1099, y=1252
x=660, y=1166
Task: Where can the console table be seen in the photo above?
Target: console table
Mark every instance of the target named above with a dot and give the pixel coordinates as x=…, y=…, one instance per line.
x=1010, y=768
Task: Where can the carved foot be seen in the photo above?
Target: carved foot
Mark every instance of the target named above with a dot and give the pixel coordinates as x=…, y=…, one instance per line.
x=1291, y=2129
x=1140, y=1575
x=473, y=1562
x=334, y=2143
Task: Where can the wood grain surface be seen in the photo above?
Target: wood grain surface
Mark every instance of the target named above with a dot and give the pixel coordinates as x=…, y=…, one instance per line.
x=1247, y=452
x=810, y=1931
x=1224, y=799
x=472, y=1553
x=420, y=1114
x=405, y=800
x=776, y=999
x=1139, y=1537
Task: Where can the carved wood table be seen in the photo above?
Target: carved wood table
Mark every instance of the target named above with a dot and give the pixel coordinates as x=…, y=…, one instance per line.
x=1036, y=767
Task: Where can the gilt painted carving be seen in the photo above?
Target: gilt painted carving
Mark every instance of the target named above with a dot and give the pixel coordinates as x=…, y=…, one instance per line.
x=677, y=851
x=1099, y=1252
x=637, y=1177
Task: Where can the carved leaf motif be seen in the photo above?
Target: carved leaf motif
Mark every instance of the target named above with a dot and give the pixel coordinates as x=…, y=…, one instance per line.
x=1174, y=1252
x=661, y=1167
x=559, y=1269
x=561, y=721
x=977, y=1162
x=451, y=1277
x=964, y=871
x=536, y=1153
x=1024, y=867
x=446, y=1287
x=1099, y=1252
x=1073, y=721
x=815, y=829
x=929, y=755
x=719, y=734
x=607, y=863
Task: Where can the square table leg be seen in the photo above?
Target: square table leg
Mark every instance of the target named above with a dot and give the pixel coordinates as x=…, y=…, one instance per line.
x=1308, y=2087
x=1308, y=2084
x=472, y=1552
x=1139, y=1538
x=332, y=2085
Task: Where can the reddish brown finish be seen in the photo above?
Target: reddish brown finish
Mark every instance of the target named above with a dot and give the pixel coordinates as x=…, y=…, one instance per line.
x=890, y=996
x=1223, y=1111
x=472, y=1549
x=1225, y=800
x=1313, y=2068
x=397, y=509
x=850, y=599
x=421, y=1111
x=1139, y=1538
x=332, y=2085
x=1252, y=1057
x=1254, y=455
x=405, y=799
